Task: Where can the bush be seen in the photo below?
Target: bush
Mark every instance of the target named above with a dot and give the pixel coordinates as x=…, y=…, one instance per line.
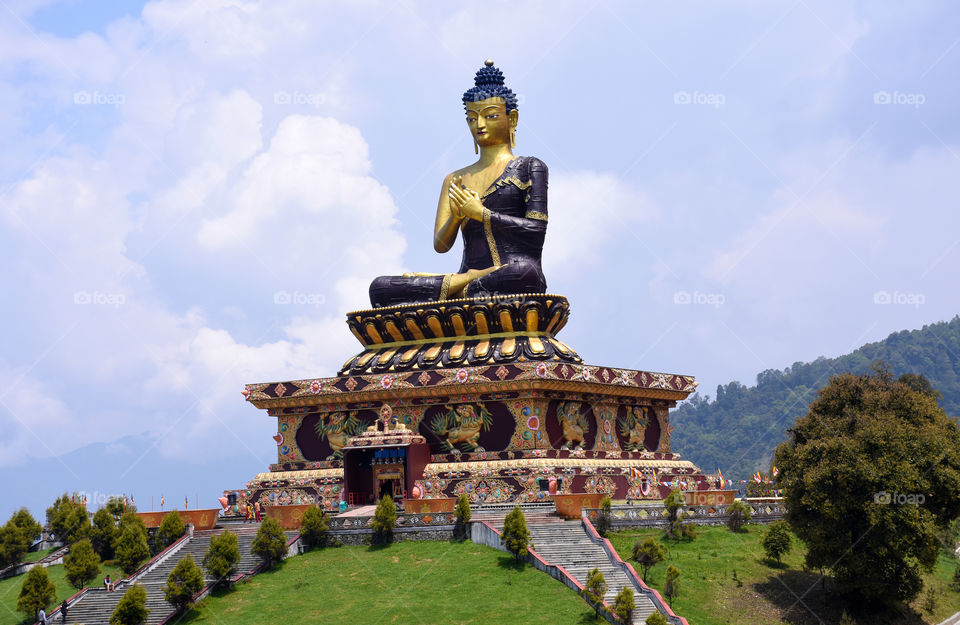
x=624, y=605
x=185, y=581
x=676, y=528
x=222, y=557
x=594, y=590
x=82, y=565
x=777, y=541
x=516, y=536
x=656, y=618
x=132, y=609
x=103, y=534
x=648, y=554
x=739, y=513
x=171, y=529
x=131, y=547
x=671, y=588
x=36, y=592
x=314, y=528
x=603, y=518
x=270, y=543
x=463, y=514
x=384, y=520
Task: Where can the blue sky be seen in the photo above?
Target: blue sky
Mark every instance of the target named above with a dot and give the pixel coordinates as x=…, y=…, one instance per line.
x=735, y=186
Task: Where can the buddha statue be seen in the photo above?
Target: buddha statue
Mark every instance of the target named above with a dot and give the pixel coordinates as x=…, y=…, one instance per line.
x=498, y=204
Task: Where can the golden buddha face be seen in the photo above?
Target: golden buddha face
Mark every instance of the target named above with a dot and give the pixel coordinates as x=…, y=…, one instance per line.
x=489, y=122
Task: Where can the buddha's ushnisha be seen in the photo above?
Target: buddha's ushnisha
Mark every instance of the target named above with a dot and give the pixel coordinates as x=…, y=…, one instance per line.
x=498, y=203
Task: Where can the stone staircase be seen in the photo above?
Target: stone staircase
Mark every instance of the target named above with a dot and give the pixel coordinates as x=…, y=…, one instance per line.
x=535, y=513
x=97, y=605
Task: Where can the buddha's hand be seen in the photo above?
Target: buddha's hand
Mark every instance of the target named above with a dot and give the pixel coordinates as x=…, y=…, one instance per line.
x=465, y=202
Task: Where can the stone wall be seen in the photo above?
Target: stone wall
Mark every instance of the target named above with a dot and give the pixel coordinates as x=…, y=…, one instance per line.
x=655, y=514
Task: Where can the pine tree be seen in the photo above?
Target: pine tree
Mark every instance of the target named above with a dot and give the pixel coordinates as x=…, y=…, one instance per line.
x=132, y=608
x=82, y=565
x=314, y=527
x=183, y=583
x=270, y=542
x=595, y=589
x=648, y=554
x=516, y=536
x=656, y=618
x=222, y=557
x=739, y=513
x=603, y=518
x=103, y=534
x=624, y=605
x=171, y=529
x=131, y=546
x=462, y=513
x=671, y=587
x=384, y=519
x=37, y=591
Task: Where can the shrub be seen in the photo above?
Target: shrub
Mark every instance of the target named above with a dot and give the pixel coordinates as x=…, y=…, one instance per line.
x=624, y=605
x=603, y=518
x=384, y=520
x=222, y=556
x=314, y=528
x=132, y=547
x=103, y=534
x=185, y=581
x=132, y=608
x=463, y=514
x=656, y=618
x=270, y=543
x=516, y=536
x=739, y=513
x=777, y=541
x=676, y=528
x=594, y=590
x=82, y=565
x=37, y=591
x=671, y=587
x=171, y=529
x=648, y=554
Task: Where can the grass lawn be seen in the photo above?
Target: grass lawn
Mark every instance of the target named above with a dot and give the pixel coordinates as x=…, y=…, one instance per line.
x=710, y=595
x=10, y=590
x=33, y=556
x=408, y=582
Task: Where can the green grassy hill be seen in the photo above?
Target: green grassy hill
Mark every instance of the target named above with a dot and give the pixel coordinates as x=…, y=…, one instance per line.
x=740, y=427
x=10, y=590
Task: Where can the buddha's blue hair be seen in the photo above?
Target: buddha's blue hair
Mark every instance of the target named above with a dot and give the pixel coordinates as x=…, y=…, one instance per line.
x=488, y=83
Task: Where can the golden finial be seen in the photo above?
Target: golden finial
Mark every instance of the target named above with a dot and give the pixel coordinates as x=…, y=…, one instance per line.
x=488, y=62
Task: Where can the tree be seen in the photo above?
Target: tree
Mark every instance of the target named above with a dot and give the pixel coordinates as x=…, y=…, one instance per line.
x=103, y=534
x=384, y=518
x=955, y=582
x=516, y=536
x=671, y=588
x=82, y=565
x=777, y=542
x=314, y=527
x=222, y=557
x=132, y=608
x=171, y=529
x=183, y=583
x=16, y=536
x=595, y=589
x=462, y=513
x=67, y=518
x=624, y=605
x=656, y=618
x=891, y=458
x=37, y=591
x=131, y=546
x=676, y=528
x=23, y=520
x=648, y=554
x=739, y=513
x=119, y=506
x=603, y=518
x=270, y=543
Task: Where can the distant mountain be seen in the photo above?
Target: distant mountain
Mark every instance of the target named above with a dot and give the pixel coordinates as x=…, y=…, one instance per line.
x=738, y=430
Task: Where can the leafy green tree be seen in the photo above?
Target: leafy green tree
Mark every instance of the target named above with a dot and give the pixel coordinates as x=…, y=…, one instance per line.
x=82, y=565
x=777, y=542
x=103, y=534
x=67, y=518
x=516, y=536
x=183, y=583
x=676, y=528
x=132, y=608
x=870, y=474
x=739, y=513
x=656, y=618
x=222, y=557
x=594, y=590
x=131, y=546
x=463, y=514
x=171, y=529
x=119, y=506
x=270, y=543
x=624, y=605
x=314, y=527
x=384, y=519
x=26, y=523
x=648, y=554
x=37, y=591
x=671, y=587
x=603, y=517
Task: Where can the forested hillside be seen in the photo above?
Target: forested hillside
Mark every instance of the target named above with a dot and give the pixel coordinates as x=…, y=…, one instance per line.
x=739, y=428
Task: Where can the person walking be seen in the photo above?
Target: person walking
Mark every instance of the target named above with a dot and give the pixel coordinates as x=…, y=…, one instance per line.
x=63, y=611
x=256, y=510
x=42, y=617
